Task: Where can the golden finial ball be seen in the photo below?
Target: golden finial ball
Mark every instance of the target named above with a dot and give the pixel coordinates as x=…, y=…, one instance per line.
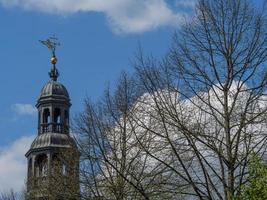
x=53, y=60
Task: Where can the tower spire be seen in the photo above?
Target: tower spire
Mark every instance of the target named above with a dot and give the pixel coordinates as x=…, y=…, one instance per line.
x=51, y=43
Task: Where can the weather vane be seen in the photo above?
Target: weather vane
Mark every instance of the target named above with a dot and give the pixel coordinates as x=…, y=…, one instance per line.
x=51, y=43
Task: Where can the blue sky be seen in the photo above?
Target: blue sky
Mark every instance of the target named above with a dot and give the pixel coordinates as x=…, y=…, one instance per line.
x=98, y=40
x=93, y=52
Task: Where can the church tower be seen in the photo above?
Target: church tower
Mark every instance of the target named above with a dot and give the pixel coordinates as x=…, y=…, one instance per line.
x=53, y=158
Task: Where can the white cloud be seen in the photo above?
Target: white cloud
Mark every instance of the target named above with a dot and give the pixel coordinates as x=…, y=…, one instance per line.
x=13, y=165
x=124, y=16
x=24, y=109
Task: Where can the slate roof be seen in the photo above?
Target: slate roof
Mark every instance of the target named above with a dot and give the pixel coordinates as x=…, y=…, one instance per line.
x=54, y=88
x=53, y=140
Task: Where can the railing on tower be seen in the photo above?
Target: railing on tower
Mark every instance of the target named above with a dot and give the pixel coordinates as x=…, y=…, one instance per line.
x=53, y=128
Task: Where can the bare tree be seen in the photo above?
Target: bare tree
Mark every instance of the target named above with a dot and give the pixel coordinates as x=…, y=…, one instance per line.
x=105, y=170
x=113, y=165
x=184, y=127
x=11, y=195
x=207, y=99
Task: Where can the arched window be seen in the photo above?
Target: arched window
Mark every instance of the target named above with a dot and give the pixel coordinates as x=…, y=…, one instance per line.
x=30, y=167
x=57, y=115
x=64, y=170
x=56, y=163
x=39, y=116
x=66, y=114
x=44, y=169
x=46, y=116
x=41, y=166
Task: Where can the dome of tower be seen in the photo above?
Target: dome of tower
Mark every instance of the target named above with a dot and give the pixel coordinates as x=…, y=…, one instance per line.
x=53, y=140
x=54, y=88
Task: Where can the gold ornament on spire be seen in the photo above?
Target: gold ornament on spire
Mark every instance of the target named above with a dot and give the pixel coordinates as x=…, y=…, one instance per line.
x=51, y=43
x=53, y=60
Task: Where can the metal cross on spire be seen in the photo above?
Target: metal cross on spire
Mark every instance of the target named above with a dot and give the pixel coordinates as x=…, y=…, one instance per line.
x=52, y=43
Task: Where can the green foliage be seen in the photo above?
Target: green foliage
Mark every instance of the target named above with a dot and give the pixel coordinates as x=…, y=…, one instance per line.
x=256, y=189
